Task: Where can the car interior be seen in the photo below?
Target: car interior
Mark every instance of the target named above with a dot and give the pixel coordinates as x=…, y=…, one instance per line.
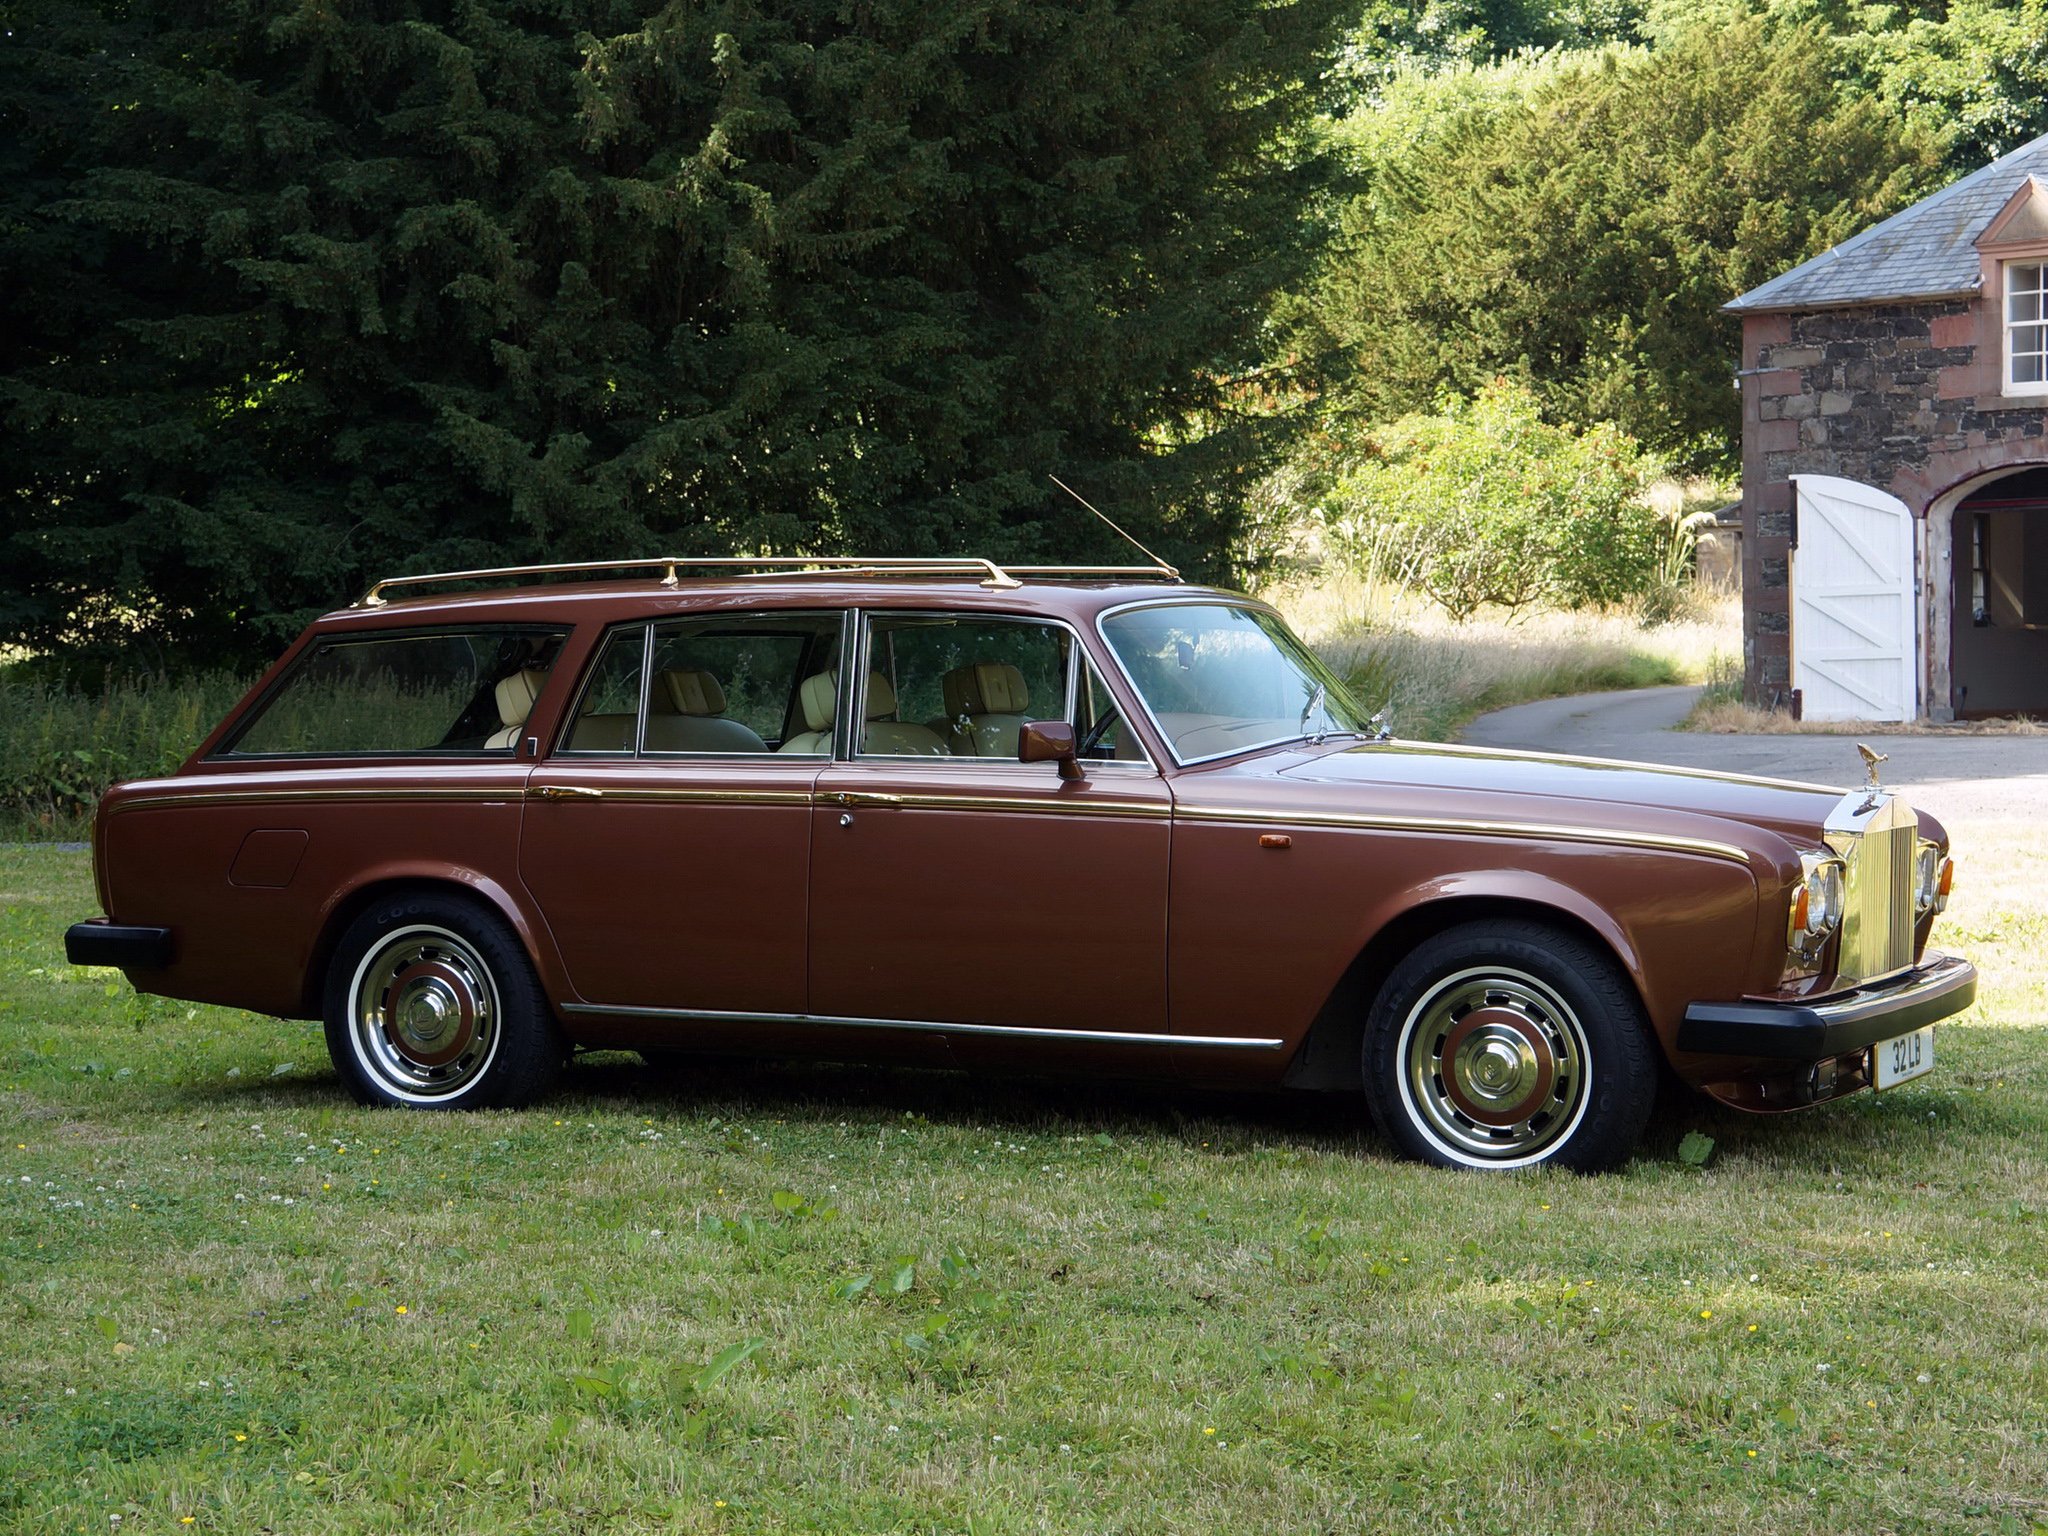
x=973, y=680
x=431, y=691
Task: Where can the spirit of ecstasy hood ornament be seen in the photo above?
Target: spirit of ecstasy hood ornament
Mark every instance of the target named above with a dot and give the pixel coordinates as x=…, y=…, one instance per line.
x=1871, y=758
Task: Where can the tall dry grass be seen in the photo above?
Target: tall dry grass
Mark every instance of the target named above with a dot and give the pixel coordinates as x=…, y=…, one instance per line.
x=1390, y=646
x=61, y=743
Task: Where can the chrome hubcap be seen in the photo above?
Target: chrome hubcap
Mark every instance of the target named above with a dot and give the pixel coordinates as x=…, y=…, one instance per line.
x=424, y=1013
x=1494, y=1065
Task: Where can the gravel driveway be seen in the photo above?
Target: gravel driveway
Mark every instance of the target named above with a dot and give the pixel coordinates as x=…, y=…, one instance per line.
x=1952, y=775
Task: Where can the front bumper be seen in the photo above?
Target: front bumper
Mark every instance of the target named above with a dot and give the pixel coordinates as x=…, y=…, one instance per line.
x=123, y=945
x=1939, y=986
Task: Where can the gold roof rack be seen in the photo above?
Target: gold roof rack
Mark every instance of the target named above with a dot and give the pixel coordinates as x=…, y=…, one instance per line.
x=987, y=572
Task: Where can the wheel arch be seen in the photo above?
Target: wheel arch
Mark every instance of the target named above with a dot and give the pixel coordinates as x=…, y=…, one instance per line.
x=1329, y=1056
x=346, y=905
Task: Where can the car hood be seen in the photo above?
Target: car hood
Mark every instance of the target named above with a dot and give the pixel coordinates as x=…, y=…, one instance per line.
x=1476, y=780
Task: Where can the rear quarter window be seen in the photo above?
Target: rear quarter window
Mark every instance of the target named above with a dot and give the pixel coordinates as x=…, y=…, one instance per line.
x=426, y=692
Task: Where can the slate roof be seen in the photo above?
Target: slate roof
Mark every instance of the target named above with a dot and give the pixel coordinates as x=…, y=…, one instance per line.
x=1924, y=252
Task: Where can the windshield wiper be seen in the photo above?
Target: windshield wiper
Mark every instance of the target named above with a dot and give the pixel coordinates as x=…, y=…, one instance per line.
x=1315, y=702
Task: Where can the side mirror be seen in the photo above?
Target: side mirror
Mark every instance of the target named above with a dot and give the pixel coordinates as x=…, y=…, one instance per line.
x=1049, y=741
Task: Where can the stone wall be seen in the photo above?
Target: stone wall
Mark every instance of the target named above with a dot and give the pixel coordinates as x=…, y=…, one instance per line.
x=1899, y=396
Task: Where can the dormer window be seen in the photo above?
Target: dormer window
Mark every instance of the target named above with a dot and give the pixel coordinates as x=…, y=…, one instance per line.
x=2026, y=327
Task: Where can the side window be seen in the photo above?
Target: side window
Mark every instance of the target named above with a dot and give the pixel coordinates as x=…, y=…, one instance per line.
x=608, y=714
x=761, y=682
x=740, y=683
x=952, y=685
x=1104, y=734
x=430, y=692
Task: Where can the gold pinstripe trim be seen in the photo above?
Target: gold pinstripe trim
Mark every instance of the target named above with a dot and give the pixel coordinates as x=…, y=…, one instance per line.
x=1124, y=809
x=1674, y=770
x=658, y=796
x=510, y=794
x=1534, y=831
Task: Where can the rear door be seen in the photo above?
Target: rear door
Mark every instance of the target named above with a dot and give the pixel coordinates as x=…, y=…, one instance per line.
x=667, y=834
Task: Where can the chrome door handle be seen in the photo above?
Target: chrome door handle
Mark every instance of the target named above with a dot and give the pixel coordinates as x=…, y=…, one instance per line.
x=565, y=792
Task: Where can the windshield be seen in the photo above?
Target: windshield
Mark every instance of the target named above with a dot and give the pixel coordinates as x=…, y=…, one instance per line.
x=1220, y=679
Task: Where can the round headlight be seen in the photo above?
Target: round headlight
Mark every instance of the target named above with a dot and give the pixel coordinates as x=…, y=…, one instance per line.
x=1818, y=903
x=1830, y=902
x=1926, y=877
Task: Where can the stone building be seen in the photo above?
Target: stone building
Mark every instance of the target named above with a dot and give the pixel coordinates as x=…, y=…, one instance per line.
x=1894, y=469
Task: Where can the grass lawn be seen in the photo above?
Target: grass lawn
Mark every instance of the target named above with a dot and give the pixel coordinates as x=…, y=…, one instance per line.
x=232, y=1302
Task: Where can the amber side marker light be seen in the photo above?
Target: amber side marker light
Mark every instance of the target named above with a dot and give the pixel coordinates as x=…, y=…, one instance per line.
x=1802, y=909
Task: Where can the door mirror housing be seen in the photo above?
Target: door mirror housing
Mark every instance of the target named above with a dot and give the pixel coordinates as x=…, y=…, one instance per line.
x=1049, y=741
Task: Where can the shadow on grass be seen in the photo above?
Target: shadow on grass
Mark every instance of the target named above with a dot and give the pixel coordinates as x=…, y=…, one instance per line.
x=1843, y=1135
x=736, y=1088
x=1229, y=1120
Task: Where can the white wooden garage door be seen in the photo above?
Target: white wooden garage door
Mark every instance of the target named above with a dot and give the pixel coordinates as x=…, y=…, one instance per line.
x=1854, y=645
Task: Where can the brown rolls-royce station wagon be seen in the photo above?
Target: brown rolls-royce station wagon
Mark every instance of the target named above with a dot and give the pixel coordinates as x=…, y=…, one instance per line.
x=1030, y=819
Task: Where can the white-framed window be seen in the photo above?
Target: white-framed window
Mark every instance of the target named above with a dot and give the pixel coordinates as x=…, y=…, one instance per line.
x=2026, y=327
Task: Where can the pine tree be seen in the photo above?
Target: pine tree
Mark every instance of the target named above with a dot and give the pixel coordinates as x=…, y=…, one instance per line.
x=302, y=292
x=1576, y=223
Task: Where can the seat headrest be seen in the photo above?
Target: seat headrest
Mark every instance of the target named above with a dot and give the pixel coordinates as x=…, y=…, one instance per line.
x=881, y=697
x=985, y=688
x=681, y=691
x=516, y=695
x=816, y=699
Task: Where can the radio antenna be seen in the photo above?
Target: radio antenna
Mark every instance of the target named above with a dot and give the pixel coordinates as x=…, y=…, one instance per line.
x=1114, y=526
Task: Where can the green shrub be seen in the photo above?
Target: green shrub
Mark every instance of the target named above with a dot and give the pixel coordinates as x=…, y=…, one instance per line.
x=1485, y=503
x=62, y=743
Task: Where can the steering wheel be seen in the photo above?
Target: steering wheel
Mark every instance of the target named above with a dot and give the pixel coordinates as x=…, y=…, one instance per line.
x=1096, y=731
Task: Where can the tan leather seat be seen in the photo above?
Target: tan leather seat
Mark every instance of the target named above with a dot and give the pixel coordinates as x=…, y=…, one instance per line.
x=685, y=713
x=885, y=735
x=816, y=701
x=603, y=733
x=985, y=708
x=515, y=696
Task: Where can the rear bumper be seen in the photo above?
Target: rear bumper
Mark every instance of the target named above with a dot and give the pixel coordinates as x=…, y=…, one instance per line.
x=122, y=945
x=1940, y=986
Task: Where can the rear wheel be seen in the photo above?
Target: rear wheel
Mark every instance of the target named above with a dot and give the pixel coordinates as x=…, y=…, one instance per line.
x=1510, y=1044
x=432, y=1003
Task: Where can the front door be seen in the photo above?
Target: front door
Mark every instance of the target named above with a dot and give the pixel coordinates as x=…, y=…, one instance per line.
x=667, y=835
x=953, y=884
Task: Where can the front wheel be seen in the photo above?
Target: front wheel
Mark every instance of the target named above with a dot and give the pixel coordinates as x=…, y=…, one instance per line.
x=1510, y=1044
x=432, y=1003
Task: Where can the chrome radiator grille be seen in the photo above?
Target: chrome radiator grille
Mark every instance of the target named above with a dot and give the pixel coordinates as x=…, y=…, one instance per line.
x=1878, y=843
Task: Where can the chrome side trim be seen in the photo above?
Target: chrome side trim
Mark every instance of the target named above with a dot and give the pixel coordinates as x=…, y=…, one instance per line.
x=638, y=795
x=1005, y=804
x=929, y=1027
x=1535, y=831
